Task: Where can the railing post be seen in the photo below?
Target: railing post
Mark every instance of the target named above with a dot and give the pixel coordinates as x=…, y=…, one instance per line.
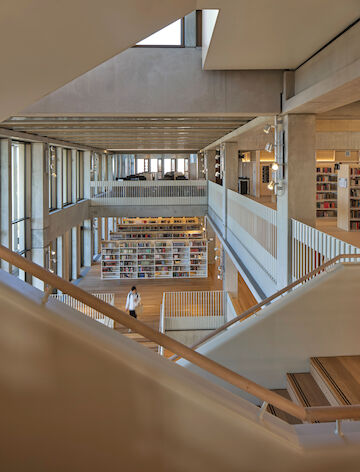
x=338, y=430
x=262, y=410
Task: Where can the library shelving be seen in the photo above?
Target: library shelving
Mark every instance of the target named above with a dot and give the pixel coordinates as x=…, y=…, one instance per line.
x=154, y=259
x=326, y=190
x=349, y=197
x=159, y=228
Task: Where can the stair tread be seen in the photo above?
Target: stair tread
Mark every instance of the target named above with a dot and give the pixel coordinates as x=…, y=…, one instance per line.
x=307, y=391
x=282, y=414
x=341, y=375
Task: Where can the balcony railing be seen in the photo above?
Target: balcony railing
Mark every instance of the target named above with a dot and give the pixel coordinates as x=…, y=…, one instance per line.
x=160, y=192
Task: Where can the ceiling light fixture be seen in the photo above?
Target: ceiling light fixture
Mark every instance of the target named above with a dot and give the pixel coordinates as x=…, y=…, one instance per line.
x=269, y=147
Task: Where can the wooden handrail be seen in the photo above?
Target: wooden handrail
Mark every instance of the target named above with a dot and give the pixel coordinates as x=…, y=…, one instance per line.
x=249, y=312
x=237, y=380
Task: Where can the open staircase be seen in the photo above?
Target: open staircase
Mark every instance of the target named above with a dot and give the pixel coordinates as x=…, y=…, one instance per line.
x=331, y=381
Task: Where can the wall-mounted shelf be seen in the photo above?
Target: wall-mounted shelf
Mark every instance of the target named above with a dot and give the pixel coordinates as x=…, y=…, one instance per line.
x=349, y=197
x=326, y=190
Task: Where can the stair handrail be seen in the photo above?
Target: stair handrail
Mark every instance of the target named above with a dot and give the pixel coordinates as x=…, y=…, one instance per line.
x=251, y=311
x=235, y=379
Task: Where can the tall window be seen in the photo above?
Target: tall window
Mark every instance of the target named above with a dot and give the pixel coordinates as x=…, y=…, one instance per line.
x=180, y=164
x=171, y=35
x=140, y=166
x=167, y=165
x=18, y=201
x=67, y=176
x=79, y=175
x=153, y=165
x=52, y=179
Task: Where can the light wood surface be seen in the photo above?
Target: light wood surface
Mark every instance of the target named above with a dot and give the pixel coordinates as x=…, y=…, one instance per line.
x=341, y=375
x=304, y=390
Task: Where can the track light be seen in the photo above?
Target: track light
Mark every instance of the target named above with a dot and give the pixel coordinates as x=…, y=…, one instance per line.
x=269, y=147
x=217, y=165
x=271, y=185
x=267, y=128
x=217, y=174
x=275, y=166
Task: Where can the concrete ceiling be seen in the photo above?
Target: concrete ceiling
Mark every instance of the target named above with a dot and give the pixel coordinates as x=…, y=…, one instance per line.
x=45, y=44
x=276, y=34
x=130, y=133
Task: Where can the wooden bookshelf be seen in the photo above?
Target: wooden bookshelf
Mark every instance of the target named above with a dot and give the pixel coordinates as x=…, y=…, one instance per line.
x=349, y=197
x=326, y=190
x=154, y=259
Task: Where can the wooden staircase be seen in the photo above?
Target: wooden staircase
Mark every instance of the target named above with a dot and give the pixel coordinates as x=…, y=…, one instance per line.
x=331, y=381
x=154, y=323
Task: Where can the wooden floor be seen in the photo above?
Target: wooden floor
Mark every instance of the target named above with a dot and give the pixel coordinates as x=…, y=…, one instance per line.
x=151, y=292
x=330, y=227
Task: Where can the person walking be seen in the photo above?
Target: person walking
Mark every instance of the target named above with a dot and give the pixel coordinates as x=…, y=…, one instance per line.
x=133, y=300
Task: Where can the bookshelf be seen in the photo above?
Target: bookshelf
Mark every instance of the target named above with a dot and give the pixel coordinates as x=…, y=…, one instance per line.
x=349, y=197
x=159, y=228
x=154, y=259
x=326, y=190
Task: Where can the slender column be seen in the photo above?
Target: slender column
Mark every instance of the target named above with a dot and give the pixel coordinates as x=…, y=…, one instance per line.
x=5, y=198
x=39, y=207
x=297, y=199
x=60, y=255
x=59, y=177
x=87, y=161
x=210, y=165
x=200, y=166
x=88, y=242
x=73, y=175
x=255, y=174
x=229, y=168
x=75, y=252
x=230, y=279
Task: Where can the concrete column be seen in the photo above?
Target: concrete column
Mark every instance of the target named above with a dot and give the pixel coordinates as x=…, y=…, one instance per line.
x=255, y=174
x=193, y=167
x=229, y=168
x=298, y=199
x=230, y=279
x=5, y=198
x=60, y=256
x=88, y=242
x=87, y=161
x=59, y=177
x=200, y=166
x=66, y=255
x=39, y=206
x=109, y=169
x=210, y=165
x=73, y=175
x=75, y=252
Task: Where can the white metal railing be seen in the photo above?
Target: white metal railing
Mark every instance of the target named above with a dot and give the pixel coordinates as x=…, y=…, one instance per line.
x=86, y=310
x=310, y=248
x=198, y=310
x=215, y=200
x=159, y=192
x=255, y=226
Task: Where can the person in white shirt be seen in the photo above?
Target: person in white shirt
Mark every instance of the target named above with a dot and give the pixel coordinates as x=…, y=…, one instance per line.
x=132, y=301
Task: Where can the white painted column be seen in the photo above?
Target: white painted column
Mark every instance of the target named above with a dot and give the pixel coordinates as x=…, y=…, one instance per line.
x=230, y=280
x=59, y=177
x=5, y=198
x=298, y=199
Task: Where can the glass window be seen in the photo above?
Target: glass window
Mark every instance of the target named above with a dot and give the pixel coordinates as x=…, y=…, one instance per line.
x=52, y=179
x=167, y=165
x=171, y=35
x=153, y=165
x=140, y=166
x=180, y=165
x=67, y=176
x=79, y=175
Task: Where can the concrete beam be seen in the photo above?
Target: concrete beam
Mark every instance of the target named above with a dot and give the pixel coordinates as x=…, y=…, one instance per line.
x=151, y=210
x=166, y=81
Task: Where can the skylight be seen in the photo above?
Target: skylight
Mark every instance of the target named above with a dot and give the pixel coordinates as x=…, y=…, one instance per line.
x=171, y=35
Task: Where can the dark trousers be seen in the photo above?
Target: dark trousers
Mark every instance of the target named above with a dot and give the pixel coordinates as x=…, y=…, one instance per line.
x=132, y=313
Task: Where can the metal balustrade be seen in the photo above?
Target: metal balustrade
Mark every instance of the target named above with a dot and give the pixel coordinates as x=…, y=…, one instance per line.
x=158, y=192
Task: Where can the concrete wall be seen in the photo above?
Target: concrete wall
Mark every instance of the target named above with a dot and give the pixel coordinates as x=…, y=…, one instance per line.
x=318, y=319
x=164, y=80
x=63, y=220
